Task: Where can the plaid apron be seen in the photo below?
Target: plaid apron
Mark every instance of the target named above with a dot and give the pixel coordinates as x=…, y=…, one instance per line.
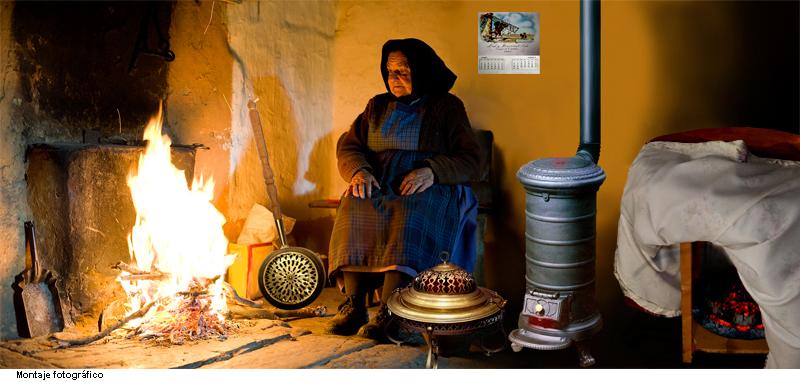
x=405, y=233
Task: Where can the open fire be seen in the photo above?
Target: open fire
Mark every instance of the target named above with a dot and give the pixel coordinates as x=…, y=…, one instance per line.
x=178, y=250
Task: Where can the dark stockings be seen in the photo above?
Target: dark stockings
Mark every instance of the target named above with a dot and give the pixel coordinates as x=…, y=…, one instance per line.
x=356, y=284
x=391, y=281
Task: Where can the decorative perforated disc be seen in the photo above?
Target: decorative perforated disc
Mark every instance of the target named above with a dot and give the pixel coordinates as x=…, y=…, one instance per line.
x=291, y=278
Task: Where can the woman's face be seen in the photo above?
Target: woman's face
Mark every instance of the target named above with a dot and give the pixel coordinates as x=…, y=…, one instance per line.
x=399, y=74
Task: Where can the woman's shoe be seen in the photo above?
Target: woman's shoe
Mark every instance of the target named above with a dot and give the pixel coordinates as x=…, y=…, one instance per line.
x=375, y=329
x=349, y=318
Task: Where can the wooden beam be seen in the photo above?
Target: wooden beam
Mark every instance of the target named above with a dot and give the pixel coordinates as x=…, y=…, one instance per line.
x=686, y=302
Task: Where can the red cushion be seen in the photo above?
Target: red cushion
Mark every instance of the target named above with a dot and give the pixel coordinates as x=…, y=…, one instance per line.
x=765, y=143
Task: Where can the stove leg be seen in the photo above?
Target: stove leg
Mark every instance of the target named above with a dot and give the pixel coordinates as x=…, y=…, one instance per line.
x=585, y=358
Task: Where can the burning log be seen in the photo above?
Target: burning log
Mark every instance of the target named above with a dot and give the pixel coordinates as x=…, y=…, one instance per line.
x=132, y=269
x=145, y=276
x=138, y=274
x=191, y=320
x=187, y=315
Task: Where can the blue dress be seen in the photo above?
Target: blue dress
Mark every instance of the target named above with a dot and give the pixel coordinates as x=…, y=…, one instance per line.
x=406, y=233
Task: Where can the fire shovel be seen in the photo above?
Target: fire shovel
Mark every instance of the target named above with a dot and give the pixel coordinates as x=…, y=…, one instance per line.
x=39, y=297
x=290, y=277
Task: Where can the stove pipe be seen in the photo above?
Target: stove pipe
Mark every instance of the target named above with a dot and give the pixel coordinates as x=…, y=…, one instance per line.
x=589, y=147
x=561, y=196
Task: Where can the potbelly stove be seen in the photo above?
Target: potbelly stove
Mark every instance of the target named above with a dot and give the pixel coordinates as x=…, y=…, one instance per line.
x=561, y=193
x=445, y=300
x=559, y=306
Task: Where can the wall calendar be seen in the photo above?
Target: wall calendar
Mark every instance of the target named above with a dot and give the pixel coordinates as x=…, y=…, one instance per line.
x=508, y=43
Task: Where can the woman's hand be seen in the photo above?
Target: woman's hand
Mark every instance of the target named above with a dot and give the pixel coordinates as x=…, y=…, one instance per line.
x=361, y=184
x=417, y=180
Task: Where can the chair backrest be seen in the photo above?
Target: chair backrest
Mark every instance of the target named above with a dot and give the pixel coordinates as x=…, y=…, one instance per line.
x=483, y=187
x=485, y=141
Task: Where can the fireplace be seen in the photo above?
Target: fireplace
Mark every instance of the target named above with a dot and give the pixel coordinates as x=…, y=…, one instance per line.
x=82, y=81
x=76, y=119
x=82, y=209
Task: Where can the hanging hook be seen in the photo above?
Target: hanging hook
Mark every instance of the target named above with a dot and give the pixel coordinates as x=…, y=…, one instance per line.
x=141, y=46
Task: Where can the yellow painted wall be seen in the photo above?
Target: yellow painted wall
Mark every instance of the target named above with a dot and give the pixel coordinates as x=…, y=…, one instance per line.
x=531, y=116
x=199, y=91
x=666, y=66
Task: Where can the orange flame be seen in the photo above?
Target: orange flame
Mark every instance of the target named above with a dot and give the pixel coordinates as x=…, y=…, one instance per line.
x=178, y=231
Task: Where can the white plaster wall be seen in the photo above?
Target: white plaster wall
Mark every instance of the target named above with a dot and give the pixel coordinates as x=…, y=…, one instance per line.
x=280, y=52
x=13, y=205
x=284, y=51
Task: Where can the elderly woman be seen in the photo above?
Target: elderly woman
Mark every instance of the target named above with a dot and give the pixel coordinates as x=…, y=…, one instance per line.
x=408, y=158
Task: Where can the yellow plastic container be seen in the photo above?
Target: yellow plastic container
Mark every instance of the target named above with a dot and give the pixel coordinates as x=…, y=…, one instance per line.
x=243, y=274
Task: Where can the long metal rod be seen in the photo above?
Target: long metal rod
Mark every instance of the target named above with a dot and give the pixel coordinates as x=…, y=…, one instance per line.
x=590, y=80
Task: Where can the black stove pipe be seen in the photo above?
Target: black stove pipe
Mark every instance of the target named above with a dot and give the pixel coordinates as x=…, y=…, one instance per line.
x=590, y=80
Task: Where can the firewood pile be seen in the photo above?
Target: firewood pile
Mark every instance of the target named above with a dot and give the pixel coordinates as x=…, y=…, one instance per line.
x=186, y=316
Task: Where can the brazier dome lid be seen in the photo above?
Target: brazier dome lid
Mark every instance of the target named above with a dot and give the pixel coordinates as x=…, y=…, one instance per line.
x=444, y=294
x=445, y=278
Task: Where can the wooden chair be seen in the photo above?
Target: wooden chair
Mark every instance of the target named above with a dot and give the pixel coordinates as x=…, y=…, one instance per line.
x=696, y=337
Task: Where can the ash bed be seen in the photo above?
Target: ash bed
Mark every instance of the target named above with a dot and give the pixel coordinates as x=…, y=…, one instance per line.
x=718, y=186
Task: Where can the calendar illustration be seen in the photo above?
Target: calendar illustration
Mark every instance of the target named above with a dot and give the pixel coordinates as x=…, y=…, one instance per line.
x=508, y=43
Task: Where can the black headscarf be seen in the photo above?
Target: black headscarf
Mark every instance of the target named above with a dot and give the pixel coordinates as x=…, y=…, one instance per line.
x=429, y=74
